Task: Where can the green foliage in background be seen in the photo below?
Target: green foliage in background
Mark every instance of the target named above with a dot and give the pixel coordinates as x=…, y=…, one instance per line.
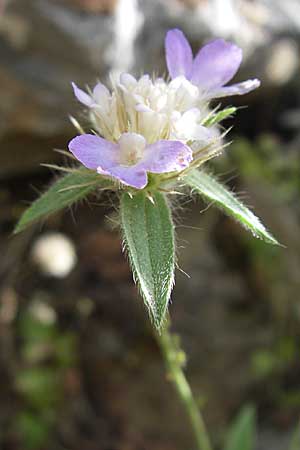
x=242, y=433
x=272, y=169
x=46, y=355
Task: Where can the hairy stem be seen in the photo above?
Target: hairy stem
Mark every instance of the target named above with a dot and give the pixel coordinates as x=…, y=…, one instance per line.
x=173, y=358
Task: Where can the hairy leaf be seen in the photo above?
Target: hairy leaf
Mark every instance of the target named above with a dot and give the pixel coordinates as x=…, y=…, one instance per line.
x=148, y=234
x=212, y=190
x=63, y=193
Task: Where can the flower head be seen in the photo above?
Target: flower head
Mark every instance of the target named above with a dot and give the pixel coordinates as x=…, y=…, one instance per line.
x=214, y=65
x=151, y=125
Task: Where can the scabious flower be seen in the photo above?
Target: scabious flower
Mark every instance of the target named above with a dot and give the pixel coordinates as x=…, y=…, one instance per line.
x=155, y=126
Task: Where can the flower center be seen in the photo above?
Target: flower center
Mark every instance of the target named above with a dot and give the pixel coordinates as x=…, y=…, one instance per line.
x=132, y=148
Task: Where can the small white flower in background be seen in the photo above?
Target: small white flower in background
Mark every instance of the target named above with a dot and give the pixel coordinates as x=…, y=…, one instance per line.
x=41, y=310
x=55, y=254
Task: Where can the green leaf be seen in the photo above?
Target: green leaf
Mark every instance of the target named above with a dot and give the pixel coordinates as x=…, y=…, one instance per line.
x=41, y=386
x=219, y=116
x=64, y=192
x=295, y=442
x=33, y=428
x=207, y=186
x=148, y=234
x=242, y=433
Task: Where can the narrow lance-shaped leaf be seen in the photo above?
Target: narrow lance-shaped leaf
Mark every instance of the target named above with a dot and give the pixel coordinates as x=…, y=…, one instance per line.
x=208, y=187
x=295, y=441
x=242, y=433
x=148, y=234
x=213, y=119
x=64, y=192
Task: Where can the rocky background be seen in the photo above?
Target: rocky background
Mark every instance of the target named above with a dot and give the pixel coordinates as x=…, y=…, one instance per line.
x=78, y=364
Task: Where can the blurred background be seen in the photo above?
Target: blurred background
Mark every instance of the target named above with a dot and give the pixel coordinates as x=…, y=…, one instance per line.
x=78, y=365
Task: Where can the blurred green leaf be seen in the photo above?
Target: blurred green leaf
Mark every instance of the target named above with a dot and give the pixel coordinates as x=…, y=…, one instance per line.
x=63, y=193
x=269, y=362
x=295, y=441
x=148, y=234
x=34, y=330
x=290, y=399
x=33, y=429
x=264, y=363
x=287, y=349
x=65, y=349
x=242, y=433
x=40, y=386
x=208, y=187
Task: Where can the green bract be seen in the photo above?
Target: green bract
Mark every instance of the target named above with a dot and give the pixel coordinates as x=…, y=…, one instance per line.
x=217, y=117
x=146, y=224
x=63, y=193
x=213, y=191
x=148, y=234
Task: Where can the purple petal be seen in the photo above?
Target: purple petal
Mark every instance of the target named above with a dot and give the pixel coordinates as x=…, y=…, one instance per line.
x=93, y=151
x=179, y=54
x=82, y=96
x=215, y=64
x=166, y=156
x=131, y=176
x=235, y=89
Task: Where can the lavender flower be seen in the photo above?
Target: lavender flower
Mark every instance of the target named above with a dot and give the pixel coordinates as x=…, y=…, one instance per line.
x=214, y=65
x=145, y=126
x=131, y=158
x=151, y=125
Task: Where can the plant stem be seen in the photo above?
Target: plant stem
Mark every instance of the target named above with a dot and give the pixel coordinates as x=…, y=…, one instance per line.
x=174, y=358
